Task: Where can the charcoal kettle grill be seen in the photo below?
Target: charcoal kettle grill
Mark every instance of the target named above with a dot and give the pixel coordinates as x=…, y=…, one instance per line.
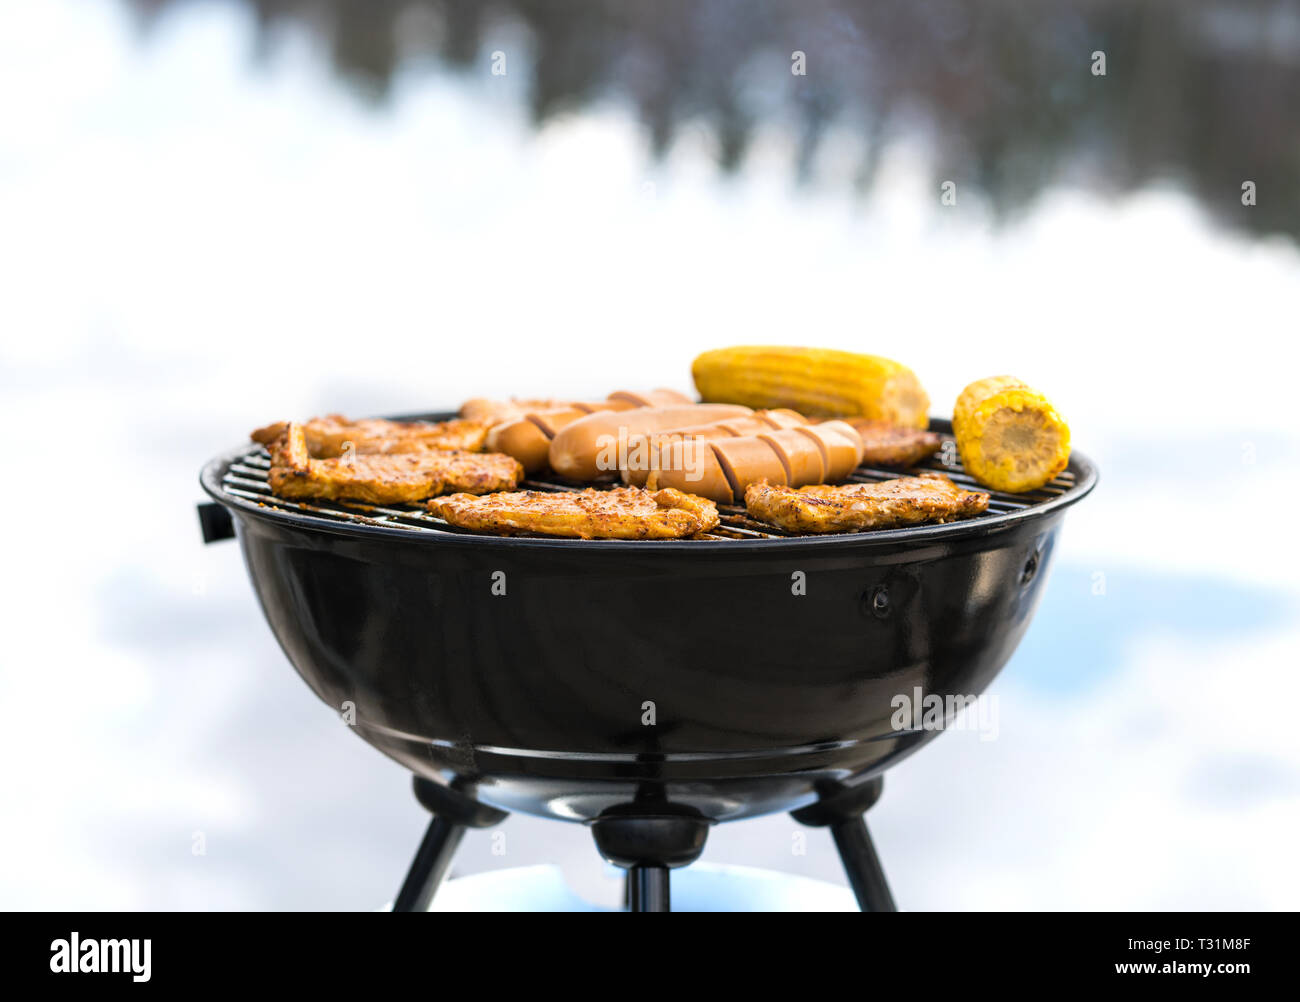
x=647, y=689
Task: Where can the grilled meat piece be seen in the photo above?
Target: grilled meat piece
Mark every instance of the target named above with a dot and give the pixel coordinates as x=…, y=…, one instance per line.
x=889, y=504
x=384, y=479
x=620, y=513
x=894, y=445
x=326, y=435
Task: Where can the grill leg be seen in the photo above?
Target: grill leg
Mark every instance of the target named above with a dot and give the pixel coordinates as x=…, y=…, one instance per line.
x=441, y=840
x=841, y=811
x=647, y=846
x=453, y=812
x=647, y=889
x=862, y=865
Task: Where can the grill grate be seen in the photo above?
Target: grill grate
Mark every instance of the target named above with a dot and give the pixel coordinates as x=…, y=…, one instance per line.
x=246, y=478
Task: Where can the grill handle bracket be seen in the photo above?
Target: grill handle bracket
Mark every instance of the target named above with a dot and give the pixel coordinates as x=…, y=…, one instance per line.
x=215, y=522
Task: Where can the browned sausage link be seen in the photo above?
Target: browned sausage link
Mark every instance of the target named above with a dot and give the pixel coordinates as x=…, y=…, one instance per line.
x=688, y=464
x=800, y=455
x=598, y=444
x=654, y=398
x=749, y=459
x=527, y=436
x=840, y=445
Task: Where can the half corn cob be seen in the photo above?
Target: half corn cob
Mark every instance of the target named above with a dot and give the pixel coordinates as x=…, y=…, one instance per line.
x=818, y=382
x=1010, y=436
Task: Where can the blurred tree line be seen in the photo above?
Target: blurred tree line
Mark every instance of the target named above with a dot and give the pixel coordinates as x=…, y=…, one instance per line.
x=1205, y=93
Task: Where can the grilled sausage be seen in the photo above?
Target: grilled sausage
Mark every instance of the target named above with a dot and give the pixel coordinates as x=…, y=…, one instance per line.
x=801, y=458
x=528, y=439
x=721, y=468
x=840, y=445
x=598, y=444
x=755, y=424
x=500, y=411
x=747, y=460
x=526, y=433
x=689, y=464
x=522, y=439
x=655, y=398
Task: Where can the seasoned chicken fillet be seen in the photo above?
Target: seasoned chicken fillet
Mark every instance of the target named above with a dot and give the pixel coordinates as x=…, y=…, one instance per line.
x=621, y=513
x=327, y=435
x=384, y=479
x=855, y=507
x=889, y=444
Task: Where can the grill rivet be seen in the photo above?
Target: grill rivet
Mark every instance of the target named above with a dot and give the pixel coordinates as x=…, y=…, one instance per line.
x=1031, y=568
x=880, y=602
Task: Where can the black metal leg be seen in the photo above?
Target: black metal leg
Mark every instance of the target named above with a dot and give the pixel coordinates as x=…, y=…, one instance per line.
x=862, y=865
x=841, y=811
x=648, y=889
x=453, y=812
x=429, y=866
x=647, y=845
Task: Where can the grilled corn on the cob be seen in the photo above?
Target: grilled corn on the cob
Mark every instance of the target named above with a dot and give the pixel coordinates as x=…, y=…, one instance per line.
x=817, y=382
x=1010, y=436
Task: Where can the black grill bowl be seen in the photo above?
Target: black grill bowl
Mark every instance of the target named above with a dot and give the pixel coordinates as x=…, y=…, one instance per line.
x=535, y=699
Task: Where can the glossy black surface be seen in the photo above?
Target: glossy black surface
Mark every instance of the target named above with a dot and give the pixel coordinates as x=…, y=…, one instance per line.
x=534, y=699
